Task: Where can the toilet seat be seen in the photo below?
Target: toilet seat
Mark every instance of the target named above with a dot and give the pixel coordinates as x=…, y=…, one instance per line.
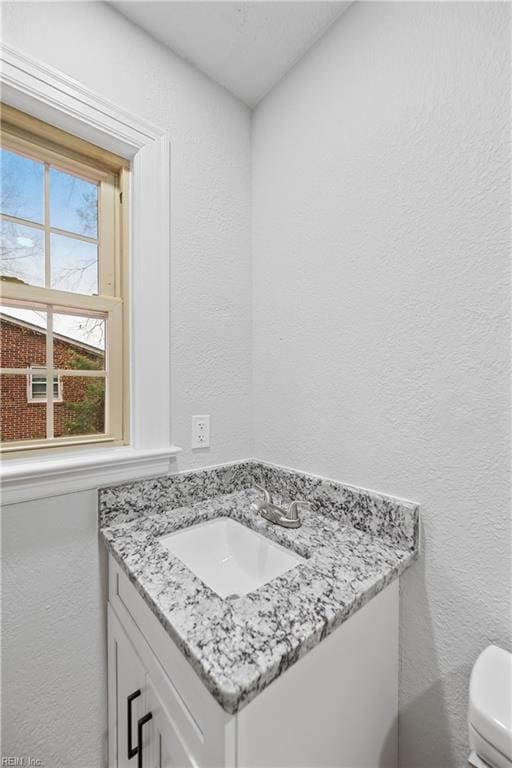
x=476, y=762
x=489, y=756
x=490, y=707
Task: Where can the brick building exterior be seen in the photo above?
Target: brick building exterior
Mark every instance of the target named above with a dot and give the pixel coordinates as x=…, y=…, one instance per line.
x=22, y=409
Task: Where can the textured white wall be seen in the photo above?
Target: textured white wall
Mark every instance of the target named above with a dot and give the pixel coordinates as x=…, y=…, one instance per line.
x=380, y=329
x=53, y=613
x=210, y=202
x=380, y=315
x=54, y=632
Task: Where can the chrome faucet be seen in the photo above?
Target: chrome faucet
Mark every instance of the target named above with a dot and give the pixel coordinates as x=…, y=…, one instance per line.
x=288, y=518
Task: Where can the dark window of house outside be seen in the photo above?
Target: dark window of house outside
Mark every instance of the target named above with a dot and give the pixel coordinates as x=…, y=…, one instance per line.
x=37, y=386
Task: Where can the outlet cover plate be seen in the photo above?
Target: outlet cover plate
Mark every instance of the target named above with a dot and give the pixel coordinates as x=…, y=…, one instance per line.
x=200, y=431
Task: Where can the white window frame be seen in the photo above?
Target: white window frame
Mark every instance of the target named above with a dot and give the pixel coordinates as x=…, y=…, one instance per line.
x=30, y=387
x=51, y=96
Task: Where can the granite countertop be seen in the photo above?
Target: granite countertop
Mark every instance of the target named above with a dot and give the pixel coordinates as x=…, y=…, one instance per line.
x=238, y=646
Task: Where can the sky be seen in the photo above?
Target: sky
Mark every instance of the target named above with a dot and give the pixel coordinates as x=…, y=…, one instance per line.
x=73, y=261
x=88, y=330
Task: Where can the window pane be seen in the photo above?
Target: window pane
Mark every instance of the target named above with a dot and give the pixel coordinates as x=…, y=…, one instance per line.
x=74, y=203
x=38, y=390
x=78, y=342
x=22, y=186
x=82, y=411
x=22, y=252
x=22, y=338
x=74, y=265
x=20, y=419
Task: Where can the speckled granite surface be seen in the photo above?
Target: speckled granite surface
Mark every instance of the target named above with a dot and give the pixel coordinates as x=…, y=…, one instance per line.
x=392, y=519
x=355, y=543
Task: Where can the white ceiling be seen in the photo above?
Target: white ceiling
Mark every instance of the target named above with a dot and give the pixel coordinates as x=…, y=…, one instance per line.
x=246, y=46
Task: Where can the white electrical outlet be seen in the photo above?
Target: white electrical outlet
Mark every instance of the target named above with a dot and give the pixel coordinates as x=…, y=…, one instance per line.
x=200, y=431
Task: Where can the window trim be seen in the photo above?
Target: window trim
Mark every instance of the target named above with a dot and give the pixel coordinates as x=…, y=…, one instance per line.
x=112, y=248
x=51, y=96
x=28, y=127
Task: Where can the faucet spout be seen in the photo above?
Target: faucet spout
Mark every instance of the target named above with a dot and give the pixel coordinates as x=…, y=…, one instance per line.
x=288, y=518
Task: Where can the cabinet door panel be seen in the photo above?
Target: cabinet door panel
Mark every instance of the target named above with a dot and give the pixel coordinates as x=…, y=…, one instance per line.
x=205, y=730
x=161, y=757
x=127, y=677
x=166, y=760
x=168, y=748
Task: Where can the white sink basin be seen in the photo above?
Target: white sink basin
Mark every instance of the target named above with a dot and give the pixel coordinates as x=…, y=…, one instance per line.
x=230, y=558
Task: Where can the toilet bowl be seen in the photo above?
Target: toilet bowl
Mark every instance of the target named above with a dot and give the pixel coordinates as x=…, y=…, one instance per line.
x=490, y=710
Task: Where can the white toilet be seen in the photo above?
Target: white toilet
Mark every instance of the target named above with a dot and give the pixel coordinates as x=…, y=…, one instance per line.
x=490, y=710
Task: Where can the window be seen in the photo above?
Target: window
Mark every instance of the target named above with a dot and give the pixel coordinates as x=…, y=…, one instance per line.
x=62, y=286
x=36, y=387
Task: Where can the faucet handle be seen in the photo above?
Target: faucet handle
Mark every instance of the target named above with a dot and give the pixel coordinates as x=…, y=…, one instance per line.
x=293, y=509
x=267, y=498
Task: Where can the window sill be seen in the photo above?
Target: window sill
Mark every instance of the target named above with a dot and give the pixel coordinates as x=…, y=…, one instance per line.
x=38, y=477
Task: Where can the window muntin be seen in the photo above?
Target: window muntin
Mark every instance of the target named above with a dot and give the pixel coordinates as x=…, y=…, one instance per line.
x=61, y=281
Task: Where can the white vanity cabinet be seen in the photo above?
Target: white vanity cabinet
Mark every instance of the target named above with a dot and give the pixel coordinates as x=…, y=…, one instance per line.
x=336, y=706
x=137, y=715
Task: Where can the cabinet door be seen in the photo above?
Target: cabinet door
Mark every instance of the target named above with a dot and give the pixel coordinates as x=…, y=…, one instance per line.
x=167, y=750
x=127, y=697
x=160, y=755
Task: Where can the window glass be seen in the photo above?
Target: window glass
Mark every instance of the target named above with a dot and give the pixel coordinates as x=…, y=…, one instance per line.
x=74, y=203
x=22, y=252
x=41, y=255
x=74, y=265
x=79, y=341
x=82, y=411
x=22, y=337
x=22, y=186
x=19, y=418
